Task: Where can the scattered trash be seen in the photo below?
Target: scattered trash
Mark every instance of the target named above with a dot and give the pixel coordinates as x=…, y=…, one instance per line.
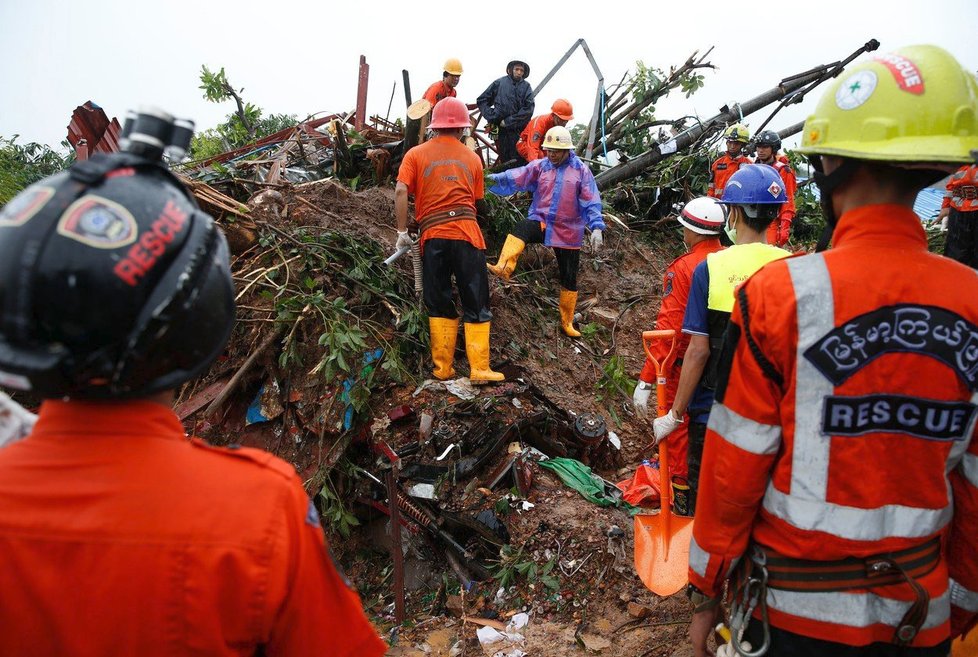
x=424, y=491
x=579, y=477
x=461, y=388
x=614, y=440
x=506, y=643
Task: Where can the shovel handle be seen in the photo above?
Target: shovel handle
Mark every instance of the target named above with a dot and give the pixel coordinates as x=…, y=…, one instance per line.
x=648, y=337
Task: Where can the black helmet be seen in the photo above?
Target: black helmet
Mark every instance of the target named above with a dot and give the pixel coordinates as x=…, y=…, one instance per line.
x=768, y=138
x=526, y=68
x=113, y=283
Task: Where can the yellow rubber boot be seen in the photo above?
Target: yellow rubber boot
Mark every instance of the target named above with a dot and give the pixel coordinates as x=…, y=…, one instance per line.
x=512, y=248
x=568, y=301
x=477, y=349
x=444, y=333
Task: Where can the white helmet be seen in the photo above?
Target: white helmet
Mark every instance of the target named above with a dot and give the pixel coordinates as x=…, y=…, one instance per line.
x=558, y=138
x=703, y=215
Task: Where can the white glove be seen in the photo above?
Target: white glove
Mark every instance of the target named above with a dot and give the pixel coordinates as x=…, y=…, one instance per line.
x=403, y=240
x=944, y=224
x=664, y=425
x=15, y=420
x=640, y=399
x=596, y=239
x=727, y=649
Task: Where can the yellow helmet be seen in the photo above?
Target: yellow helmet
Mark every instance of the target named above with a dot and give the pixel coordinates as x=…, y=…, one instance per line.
x=737, y=132
x=453, y=66
x=914, y=105
x=558, y=138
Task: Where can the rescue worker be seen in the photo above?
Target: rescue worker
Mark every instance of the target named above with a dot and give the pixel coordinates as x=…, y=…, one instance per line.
x=702, y=221
x=565, y=201
x=841, y=449
x=119, y=535
x=445, y=88
x=507, y=105
x=530, y=145
x=727, y=164
x=768, y=144
x=446, y=180
x=753, y=197
x=960, y=212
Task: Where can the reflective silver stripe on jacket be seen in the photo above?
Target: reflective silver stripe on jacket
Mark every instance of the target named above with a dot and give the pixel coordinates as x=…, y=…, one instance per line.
x=854, y=609
x=891, y=520
x=964, y=598
x=816, y=317
x=699, y=560
x=805, y=506
x=743, y=432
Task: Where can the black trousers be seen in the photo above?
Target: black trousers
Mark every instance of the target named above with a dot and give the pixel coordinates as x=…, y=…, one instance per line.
x=506, y=143
x=444, y=259
x=961, y=243
x=789, y=644
x=694, y=458
x=568, y=260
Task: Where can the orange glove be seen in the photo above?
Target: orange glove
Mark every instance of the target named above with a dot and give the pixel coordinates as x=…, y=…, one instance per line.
x=784, y=231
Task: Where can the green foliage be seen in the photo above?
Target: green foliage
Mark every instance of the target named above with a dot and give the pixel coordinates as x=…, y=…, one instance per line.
x=809, y=221
x=614, y=380
x=242, y=127
x=513, y=565
x=22, y=165
x=334, y=512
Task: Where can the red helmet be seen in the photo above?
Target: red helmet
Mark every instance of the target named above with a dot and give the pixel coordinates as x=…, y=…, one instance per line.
x=563, y=109
x=450, y=113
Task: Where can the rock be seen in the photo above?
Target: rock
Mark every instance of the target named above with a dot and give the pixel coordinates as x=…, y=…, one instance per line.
x=637, y=610
x=455, y=606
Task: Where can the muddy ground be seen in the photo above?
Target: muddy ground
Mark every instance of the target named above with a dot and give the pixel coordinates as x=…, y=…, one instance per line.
x=570, y=560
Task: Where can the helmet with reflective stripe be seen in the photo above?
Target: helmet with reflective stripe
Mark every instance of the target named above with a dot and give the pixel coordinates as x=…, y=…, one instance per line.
x=563, y=109
x=703, y=215
x=453, y=66
x=113, y=283
x=450, y=113
x=768, y=138
x=916, y=105
x=737, y=132
x=558, y=138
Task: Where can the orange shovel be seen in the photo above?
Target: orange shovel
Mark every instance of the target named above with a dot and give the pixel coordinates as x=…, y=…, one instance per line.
x=662, y=539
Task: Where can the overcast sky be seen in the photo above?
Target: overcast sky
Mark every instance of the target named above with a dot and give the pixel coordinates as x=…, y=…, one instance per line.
x=301, y=57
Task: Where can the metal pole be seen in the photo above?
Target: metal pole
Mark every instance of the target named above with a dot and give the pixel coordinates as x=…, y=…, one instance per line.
x=396, y=554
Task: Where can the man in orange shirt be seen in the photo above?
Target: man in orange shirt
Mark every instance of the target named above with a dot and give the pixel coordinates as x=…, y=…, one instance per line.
x=445, y=88
x=445, y=178
x=118, y=534
x=960, y=210
x=768, y=144
x=530, y=145
x=702, y=220
x=727, y=164
x=840, y=475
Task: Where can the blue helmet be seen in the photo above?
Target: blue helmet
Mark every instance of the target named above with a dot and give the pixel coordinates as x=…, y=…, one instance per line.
x=754, y=185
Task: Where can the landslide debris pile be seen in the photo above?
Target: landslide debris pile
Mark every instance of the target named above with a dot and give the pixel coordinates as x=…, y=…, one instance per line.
x=328, y=368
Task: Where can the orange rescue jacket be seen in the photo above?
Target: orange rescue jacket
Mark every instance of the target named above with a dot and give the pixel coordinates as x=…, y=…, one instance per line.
x=120, y=536
x=846, y=428
x=530, y=144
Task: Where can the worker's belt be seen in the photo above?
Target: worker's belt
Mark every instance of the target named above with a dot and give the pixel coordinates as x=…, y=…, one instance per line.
x=969, y=192
x=445, y=216
x=904, y=566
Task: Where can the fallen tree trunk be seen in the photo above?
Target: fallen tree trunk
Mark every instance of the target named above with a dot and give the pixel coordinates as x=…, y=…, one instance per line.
x=794, y=87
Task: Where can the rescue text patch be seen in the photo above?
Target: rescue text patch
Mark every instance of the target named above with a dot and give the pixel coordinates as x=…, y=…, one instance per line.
x=914, y=416
x=925, y=330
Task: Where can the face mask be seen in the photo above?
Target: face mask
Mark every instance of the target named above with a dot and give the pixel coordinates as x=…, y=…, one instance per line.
x=731, y=231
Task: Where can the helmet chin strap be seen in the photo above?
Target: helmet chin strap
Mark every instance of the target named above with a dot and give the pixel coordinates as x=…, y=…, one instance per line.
x=828, y=183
